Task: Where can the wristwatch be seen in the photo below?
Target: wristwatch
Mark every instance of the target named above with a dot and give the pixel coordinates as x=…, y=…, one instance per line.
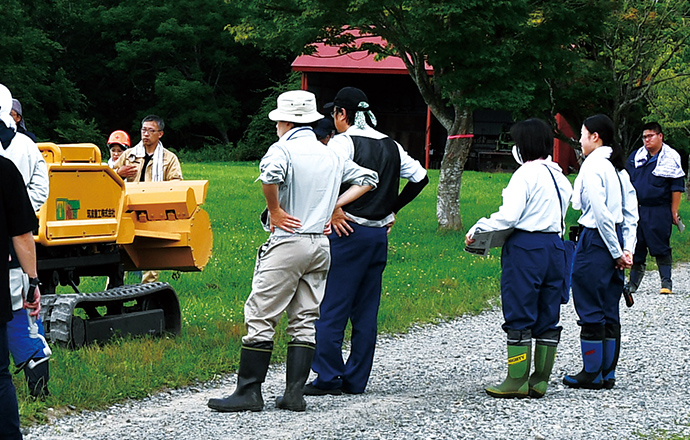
x=34, y=282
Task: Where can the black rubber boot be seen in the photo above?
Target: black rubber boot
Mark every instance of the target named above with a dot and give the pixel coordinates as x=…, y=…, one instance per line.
x=299, y=357
x=665, y=264
x=254, y=361
x=636, y=275
x=591, y=344
x=37, y=378
x=612, y=349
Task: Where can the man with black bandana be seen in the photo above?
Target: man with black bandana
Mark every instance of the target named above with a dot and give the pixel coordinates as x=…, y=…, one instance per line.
x=359, y=246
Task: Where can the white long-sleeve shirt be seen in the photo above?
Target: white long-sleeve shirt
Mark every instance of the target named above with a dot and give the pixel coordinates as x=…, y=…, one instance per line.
x=26, y=156
x=530, y=201
x=599, y=192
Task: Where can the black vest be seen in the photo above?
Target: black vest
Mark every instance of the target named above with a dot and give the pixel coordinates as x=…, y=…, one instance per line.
x=382, y=156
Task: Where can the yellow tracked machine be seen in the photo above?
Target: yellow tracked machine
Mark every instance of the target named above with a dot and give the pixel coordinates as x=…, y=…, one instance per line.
x=95, y=224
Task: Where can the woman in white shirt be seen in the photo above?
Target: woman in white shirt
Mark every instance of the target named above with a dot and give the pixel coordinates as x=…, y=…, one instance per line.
x=609, y=222
x=532, y=260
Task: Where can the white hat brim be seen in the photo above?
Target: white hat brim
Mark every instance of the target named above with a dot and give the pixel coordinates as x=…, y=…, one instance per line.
x=306, y=118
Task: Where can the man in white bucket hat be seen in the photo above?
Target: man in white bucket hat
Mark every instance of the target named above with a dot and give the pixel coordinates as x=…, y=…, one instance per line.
x=300, y=179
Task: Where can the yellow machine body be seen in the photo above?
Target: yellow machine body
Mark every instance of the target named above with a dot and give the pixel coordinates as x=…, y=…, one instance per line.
x=158, y=225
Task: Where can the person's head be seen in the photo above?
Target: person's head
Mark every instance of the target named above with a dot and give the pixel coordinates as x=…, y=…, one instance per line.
x=347, y=104
x=653, y=137
x=118, y=142
x=16, y=113
x=152, y=129
x=533, y=139
x=6, y=107
x=598, y=131
x=324, y=130
x=294, y=108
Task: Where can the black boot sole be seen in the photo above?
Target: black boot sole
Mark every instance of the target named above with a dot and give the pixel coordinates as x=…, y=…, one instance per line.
x=217, y=405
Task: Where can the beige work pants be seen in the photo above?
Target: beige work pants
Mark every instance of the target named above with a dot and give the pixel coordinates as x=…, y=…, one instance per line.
x=290, y=275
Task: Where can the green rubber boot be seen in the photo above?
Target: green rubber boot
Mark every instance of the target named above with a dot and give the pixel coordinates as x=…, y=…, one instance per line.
x=544, y=358
x=516, y=383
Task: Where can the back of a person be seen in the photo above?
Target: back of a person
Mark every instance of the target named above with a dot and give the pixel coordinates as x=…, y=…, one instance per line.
x=380, y=155
x=316, y=176
x=542, y=205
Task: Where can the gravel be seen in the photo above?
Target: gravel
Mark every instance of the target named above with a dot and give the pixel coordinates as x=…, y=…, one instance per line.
x=429, y=384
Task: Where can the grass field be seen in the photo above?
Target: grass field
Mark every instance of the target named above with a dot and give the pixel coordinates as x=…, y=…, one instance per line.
x=428, y=278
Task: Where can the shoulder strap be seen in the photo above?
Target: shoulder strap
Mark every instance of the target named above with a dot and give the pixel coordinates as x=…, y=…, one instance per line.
x=560, y=200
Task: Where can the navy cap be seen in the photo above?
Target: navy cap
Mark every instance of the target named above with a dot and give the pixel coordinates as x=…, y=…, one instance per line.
x=324, y=127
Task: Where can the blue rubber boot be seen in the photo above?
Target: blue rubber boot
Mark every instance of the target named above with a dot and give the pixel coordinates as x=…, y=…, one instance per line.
x=612, y=348
x=592, y=346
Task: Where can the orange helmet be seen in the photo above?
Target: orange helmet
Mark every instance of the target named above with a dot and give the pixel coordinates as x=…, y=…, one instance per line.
x=119, y=137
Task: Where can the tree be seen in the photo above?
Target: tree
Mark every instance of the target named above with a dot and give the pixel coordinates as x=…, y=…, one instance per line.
x=31, y=70
x=185, y=67
x=634, y=51
x=485, y=54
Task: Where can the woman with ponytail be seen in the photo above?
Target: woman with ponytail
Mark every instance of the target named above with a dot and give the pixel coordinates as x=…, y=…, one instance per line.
x=608, y=223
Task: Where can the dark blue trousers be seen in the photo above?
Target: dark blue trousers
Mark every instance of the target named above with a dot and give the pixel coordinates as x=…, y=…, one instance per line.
x=353, y=292
x=9, y=410
x=597, y=284
x=653, y=232
x=532, y=281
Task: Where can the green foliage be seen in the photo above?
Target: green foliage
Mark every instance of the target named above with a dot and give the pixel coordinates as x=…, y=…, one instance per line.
x=629, y=56
x=208, y=153
x=669, y=101
x=142, y=59
x=261, y=132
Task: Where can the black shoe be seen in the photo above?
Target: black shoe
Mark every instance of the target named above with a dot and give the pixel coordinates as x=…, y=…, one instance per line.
x=311, y=390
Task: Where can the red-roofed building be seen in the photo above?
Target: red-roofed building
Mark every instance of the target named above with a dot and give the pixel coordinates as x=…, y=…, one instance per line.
x=402, y=113
x=395, y=100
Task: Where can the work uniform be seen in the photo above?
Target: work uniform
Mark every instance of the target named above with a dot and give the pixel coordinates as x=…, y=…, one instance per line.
x=609, y=218
x=291, y=268
x=16, y=218
x=655, y=178
x=609, y=221
x=353, y=290
x=533, y=257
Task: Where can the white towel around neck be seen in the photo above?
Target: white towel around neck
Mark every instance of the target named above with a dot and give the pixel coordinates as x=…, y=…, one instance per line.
x=667, y=162
x=157, y=162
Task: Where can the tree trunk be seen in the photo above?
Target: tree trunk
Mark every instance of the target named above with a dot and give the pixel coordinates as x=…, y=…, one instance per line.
x=452, y=166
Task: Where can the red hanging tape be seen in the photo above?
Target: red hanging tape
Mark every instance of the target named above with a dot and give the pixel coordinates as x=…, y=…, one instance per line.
x=461, y=136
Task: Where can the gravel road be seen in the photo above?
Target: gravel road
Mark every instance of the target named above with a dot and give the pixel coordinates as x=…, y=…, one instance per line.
x=428, y=384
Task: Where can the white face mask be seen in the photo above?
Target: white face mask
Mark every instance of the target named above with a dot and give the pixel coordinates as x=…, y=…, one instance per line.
x=516, y=155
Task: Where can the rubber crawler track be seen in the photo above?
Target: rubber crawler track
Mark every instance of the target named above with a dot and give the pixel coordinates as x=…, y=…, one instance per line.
x=57, y=311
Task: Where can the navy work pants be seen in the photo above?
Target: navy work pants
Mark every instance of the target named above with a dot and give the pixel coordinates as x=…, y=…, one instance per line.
x=597, y=284
x=353, y=292
x=653, y=232
x=532, y=281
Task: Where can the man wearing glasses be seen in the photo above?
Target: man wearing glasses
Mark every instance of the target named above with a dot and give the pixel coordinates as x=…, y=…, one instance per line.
x=148, y=161
x=656, y=173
